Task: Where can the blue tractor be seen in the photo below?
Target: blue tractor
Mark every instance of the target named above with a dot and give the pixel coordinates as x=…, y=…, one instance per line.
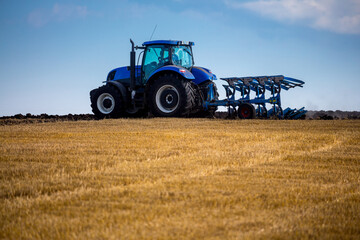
x=167, y=84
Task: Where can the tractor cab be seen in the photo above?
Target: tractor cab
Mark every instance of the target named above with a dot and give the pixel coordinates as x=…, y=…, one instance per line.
x=158, y=54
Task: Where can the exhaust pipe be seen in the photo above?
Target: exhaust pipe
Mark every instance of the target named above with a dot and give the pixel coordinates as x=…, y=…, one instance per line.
x=132, y=69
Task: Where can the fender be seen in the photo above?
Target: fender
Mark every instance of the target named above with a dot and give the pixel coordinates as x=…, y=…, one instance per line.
x=179, y=70
x=202, y=74
x=121, y=88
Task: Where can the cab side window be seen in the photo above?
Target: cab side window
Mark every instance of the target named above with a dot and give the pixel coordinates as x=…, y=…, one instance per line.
x=156, y=56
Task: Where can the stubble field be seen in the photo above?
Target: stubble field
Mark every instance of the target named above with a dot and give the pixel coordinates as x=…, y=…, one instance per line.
x=180, y=179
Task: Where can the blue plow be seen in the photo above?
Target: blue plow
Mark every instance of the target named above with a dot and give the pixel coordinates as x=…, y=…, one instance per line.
x=243, y=94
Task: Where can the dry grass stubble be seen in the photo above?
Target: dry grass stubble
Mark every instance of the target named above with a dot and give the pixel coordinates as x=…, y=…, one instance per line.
x=180, y=179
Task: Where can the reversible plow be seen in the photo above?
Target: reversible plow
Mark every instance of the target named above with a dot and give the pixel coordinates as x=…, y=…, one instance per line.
x=243, y=93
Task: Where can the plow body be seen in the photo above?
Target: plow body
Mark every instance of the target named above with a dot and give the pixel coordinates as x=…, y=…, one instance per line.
x=243, y=93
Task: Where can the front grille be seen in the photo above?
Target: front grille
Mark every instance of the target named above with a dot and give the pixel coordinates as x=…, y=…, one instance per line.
x=111, y=76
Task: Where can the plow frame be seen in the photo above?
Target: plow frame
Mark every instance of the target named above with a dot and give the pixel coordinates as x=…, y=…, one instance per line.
x=260, y=85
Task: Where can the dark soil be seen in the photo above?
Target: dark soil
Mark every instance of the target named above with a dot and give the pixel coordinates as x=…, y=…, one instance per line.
x=332, y=115
x=29, y=118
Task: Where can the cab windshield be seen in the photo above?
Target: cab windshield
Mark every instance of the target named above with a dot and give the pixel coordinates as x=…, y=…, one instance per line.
x=182, y=56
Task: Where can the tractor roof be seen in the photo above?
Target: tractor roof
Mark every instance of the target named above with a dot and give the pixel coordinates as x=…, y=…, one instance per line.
x=168, y=42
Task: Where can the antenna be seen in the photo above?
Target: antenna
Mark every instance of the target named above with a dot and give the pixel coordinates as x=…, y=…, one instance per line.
x=153, y=32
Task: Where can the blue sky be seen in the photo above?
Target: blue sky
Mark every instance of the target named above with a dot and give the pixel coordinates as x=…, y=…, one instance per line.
x=52, y=53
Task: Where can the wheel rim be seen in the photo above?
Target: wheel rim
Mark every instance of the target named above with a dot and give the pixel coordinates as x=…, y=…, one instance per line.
x=105, y=103
x=167, y=98
x=245, y=112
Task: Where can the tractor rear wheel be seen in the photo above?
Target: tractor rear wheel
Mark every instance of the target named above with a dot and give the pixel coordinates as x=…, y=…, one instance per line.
x=106, y=101
x=246, y=111
x=171, y=96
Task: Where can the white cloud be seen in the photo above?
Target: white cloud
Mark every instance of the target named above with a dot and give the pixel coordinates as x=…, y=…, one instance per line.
x=59, y=13
x=333, y=15
x=62, y=12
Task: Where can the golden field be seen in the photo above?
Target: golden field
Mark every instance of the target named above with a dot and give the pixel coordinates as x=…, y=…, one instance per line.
x=180, y=179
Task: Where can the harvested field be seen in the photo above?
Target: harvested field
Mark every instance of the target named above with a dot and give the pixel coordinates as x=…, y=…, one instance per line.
x=180, y=179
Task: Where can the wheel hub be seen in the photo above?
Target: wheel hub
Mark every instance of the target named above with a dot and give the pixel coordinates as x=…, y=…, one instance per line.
x=107, y=103
x=245, y=112
x=167, y=98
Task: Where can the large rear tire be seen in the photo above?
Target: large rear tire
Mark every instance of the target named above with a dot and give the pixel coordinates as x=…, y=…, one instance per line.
x=107, y=102
x=171, y=96
x=246, y=111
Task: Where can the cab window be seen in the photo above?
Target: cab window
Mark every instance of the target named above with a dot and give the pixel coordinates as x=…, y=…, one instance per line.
x=155, y=57
x=182, y=56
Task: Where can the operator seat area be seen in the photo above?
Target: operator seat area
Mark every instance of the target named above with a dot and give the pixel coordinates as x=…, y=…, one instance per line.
x=155, y=57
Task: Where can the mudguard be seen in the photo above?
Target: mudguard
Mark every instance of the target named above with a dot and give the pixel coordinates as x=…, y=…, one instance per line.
x=179, y=70
x=202, y=74
x=121, y=88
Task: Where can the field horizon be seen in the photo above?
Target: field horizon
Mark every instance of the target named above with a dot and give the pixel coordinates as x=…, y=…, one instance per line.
x=180, y=179
x=44, y=117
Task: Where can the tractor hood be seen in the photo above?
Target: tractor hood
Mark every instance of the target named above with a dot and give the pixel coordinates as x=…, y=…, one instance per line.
x=122, y=74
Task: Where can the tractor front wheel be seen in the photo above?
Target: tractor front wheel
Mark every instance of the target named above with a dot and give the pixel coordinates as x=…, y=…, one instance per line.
x=106, y=101
x=171, y=96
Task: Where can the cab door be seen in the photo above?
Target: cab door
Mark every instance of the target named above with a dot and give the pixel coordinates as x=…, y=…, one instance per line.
x=155, y=57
